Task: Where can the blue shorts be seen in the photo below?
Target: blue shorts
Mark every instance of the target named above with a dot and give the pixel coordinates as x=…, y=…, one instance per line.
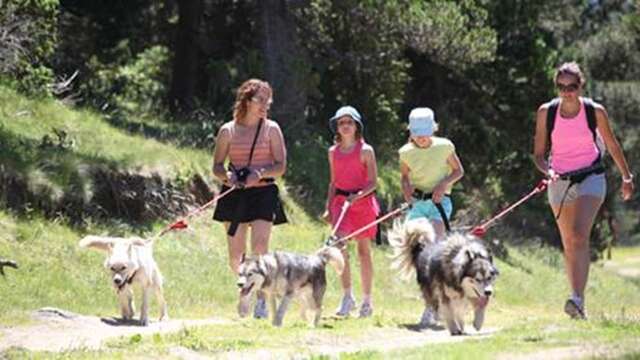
x=427, y=209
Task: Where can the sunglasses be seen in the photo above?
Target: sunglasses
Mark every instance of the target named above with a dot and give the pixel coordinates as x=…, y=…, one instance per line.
x=568, y=87
x=261, y=100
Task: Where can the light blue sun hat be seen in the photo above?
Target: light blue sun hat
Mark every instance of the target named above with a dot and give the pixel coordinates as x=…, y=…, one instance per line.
x=422, y=122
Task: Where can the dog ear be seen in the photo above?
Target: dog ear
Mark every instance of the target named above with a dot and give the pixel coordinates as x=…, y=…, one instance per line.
x=103, y=243
x=470, y=255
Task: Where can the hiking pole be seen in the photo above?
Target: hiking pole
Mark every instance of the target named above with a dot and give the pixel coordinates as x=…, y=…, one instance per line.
x=480, y=230
x=343, y=211
x=402, y=208
x=182, y=223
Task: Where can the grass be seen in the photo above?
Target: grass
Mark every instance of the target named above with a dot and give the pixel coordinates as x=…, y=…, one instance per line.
x=527, y=308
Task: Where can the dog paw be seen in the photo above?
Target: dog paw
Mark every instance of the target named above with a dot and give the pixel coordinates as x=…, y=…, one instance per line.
x=164, y=318
x=144, y=322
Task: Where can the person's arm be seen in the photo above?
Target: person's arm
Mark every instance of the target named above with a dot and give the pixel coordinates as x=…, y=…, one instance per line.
x=457, y=171
x=279, y=151
x=368, y=157
x=220, y=153
x=612, y=144
x=331, y=192
x=405, y=182
x=540, y=140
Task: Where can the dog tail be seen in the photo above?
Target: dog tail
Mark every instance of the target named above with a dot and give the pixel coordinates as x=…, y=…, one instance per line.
x=333, y=256
x=408, y=238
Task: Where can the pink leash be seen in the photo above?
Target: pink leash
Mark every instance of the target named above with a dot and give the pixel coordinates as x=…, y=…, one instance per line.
x=182, y=223
x=480, y=230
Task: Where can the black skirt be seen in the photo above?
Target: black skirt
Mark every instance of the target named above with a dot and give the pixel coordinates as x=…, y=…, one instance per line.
x=247, y=205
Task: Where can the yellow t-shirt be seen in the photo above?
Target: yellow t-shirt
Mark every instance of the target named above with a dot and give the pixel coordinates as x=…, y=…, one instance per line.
x=428, y=165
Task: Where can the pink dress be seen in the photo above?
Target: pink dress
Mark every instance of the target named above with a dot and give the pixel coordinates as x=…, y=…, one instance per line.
x=350, y=175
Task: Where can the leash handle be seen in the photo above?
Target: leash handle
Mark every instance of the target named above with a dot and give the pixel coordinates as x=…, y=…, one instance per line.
x=182, y=223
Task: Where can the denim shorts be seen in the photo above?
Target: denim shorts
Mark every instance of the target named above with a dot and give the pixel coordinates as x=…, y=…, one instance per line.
x=594, y=185
x=427, y=209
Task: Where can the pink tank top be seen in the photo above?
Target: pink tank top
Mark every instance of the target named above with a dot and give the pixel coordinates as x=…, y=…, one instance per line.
x=350, y=174
x=572, y=145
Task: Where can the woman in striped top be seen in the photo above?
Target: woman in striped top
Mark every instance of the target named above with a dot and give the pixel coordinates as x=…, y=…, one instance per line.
x=255, y=149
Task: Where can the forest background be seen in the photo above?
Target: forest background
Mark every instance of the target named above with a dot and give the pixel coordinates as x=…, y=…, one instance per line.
x=168, y=70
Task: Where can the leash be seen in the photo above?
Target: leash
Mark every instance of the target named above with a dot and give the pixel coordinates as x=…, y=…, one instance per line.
x=480, y=230
x=343, y=212
x=333, y=240
x=182, y=223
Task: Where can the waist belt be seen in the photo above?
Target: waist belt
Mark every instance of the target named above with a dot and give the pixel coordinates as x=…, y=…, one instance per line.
x=421, y=195
x=578, y=176
x=346, y=192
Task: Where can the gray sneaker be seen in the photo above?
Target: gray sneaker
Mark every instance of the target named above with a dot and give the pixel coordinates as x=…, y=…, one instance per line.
x=347, y=304
x=429, y=318
x=260, y=310
x=574, y=311
x=366, y=310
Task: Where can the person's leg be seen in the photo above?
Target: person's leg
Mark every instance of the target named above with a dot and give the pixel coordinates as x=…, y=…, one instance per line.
x=348, y=301
x=575, y=223
x=236, y=245
x=438, y=227
x=366, y=275
x=260, y=236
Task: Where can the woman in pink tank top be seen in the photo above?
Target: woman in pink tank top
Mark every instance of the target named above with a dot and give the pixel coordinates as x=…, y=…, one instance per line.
x=352, y=163
x=254, y=147
x=578, y=185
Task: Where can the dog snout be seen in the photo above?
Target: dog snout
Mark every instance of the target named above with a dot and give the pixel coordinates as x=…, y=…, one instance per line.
x=117, y=281
x=241, y=283
x=488, y=291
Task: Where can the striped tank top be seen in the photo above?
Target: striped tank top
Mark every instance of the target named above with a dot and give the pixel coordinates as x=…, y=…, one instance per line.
x=242, y=139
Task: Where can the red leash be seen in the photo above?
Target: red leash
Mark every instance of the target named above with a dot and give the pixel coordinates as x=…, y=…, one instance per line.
x=480, y=230
x=182, y=223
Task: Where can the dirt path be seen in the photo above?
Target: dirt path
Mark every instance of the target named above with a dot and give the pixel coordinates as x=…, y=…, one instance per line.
x=59, y=330
x=628, y=267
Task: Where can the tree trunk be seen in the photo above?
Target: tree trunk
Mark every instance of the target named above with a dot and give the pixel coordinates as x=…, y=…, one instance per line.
x=285, y=64
x=186, y=56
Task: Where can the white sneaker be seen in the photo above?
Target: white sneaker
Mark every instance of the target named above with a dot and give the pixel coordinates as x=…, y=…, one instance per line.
x=260, y=310
x=429, y=318
x=347, y=304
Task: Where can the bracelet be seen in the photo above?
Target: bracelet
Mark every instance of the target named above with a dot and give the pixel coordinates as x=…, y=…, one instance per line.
x=628, y=180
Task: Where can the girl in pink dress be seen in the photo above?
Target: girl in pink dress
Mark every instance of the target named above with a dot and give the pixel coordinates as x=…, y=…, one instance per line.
x=353, y=178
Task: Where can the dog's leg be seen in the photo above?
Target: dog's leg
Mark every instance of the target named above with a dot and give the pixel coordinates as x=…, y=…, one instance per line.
x=164, y=314
x=273, y=302
x=144, y=308
x=125, y=298
x=282, y=308
x=448, y=312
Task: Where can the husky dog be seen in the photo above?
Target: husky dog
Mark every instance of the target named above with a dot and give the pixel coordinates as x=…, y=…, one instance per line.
x=281, y=276
x=130, y=260
x=452, y=273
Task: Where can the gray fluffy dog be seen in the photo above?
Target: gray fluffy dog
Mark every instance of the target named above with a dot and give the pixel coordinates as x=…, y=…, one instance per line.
x=452, y=274
x=283, y=276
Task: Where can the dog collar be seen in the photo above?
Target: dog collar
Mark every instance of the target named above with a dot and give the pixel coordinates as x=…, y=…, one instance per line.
x=128, y=280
